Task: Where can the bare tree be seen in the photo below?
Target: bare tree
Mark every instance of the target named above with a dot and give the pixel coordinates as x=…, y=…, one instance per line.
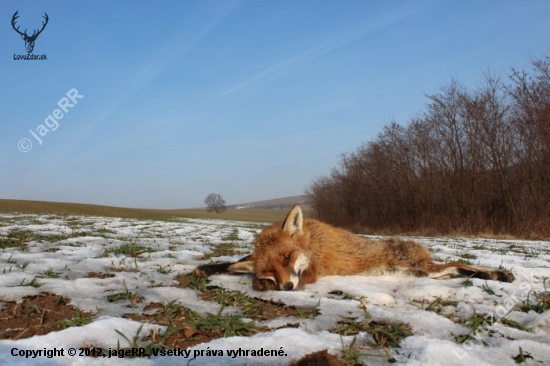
x=215, y=202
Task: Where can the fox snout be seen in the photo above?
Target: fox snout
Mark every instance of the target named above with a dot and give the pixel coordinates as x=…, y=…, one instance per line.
x=292, y=282
x=289, y=286
x=269, y=283
x=287, y=278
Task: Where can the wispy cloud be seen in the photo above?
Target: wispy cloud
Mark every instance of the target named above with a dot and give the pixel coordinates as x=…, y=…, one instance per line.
x=178, y=45
x=339, y=40
x=172, y=51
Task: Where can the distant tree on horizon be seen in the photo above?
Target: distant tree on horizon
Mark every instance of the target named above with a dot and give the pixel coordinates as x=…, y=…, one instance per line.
x=215, y=202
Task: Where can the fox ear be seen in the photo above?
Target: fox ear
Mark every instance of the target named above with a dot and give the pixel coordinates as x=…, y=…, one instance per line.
x=293, y=223
x=242, y=267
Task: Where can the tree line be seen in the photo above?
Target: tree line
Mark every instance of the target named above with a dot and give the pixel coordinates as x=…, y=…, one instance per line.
x=474, y=161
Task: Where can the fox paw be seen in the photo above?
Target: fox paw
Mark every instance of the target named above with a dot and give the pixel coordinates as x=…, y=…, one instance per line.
x=207, y=270
x=496, y=275
x=263, y=284
x=504, y=276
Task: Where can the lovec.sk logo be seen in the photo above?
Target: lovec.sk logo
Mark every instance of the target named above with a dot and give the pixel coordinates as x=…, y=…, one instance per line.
x=29, y=40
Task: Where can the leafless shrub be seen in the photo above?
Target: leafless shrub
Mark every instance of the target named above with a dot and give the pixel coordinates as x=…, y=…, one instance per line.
x=474, y=161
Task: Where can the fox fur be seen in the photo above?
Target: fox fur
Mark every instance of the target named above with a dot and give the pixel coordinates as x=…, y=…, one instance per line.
x=289, y=255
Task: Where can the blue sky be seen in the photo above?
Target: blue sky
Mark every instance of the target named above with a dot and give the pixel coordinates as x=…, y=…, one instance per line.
x=249, y=99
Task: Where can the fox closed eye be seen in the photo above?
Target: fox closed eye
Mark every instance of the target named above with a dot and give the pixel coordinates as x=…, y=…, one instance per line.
x=287, y=259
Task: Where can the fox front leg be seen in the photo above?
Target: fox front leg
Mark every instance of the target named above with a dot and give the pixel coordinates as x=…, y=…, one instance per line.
x=243, y=265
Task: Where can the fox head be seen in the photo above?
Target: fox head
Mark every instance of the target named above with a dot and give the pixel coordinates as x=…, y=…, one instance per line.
x=279, y=258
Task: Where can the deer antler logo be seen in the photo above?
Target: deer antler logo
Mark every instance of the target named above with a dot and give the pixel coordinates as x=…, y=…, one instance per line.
x=29, y=40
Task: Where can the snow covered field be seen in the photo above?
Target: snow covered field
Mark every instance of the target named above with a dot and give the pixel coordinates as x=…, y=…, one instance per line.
x=116, y=270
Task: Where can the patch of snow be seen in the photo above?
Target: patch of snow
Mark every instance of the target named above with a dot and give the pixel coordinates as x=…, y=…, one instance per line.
x=62, y=267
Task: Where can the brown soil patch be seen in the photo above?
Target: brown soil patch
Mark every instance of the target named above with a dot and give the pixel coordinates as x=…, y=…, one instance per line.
x=544, y=297
x=38, y=315
x=99, y=275
x=260, y=309
x=180, y=335
x=320, y=358
x=254, y=308
x=220, y=250
x=178, y=319
x=183, y=280
x=384, y=334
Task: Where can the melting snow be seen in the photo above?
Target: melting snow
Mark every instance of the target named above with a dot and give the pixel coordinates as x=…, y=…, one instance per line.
x=74, y=246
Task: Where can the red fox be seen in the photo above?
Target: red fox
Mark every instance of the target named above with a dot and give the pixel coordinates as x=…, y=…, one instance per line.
x=290, y=255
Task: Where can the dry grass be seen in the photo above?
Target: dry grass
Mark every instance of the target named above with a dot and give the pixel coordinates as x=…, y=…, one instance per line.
x=432, y=232
x=61, y=208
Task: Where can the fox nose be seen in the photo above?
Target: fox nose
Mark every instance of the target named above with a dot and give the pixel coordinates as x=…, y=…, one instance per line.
x=289, y=286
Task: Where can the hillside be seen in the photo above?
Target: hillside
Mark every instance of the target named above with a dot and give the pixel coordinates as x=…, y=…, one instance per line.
x=277, y=203
x=255, y=213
